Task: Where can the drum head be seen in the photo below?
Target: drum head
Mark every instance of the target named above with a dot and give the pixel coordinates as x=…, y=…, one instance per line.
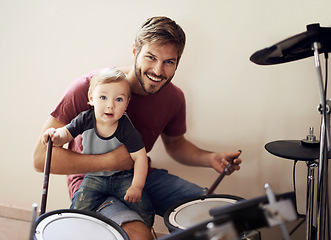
x=75, y=224
x=194, y=211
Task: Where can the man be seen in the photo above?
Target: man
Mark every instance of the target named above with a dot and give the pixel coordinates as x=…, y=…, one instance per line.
x=157, y=108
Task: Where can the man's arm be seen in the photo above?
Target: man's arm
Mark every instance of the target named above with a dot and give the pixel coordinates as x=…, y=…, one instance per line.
x=65, y=161
x=183, y=151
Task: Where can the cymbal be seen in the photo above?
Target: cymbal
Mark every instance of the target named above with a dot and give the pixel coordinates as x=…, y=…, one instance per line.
x=293, y=149
x=296, y=47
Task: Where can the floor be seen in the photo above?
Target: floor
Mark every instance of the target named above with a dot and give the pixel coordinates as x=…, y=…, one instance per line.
x=12, y=229
x=15, y=224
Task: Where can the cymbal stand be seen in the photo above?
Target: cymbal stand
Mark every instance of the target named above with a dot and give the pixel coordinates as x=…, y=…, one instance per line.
x=322, y=187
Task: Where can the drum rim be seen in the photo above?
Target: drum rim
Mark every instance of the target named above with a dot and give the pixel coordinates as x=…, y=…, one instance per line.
x=185, y=202
x=84, y=213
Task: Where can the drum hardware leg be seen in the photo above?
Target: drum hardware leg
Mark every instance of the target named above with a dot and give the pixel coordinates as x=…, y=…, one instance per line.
x=272, y=200
x=297, y=226
x=309, y=217
x=33, y=221
x=310, y=199
x=322, y=186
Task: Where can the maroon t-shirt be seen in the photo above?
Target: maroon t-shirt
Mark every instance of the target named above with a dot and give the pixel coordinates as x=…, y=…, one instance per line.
x=151, y=115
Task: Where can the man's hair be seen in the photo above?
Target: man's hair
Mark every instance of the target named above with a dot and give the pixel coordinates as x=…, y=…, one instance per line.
x=161, y=31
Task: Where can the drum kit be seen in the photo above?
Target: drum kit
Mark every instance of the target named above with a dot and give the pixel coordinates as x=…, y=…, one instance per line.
x=228, y=217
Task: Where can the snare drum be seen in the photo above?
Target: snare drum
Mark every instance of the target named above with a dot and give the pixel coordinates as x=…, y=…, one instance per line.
x=191, y=212
x=71, y=224
x=189, y=219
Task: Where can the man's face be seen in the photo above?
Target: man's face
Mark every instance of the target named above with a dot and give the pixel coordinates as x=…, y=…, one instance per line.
x=155, y=66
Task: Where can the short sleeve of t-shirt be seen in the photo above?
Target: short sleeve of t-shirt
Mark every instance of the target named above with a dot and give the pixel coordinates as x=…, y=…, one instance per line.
x=82, y=122
x=130, y=136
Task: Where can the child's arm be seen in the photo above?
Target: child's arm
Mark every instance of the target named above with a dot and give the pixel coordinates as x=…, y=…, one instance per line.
x=59, y=136
x=133, y=194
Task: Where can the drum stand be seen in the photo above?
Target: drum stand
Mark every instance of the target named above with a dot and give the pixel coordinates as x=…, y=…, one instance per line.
x=314, y=41
x=321, y=231
x=322, y=215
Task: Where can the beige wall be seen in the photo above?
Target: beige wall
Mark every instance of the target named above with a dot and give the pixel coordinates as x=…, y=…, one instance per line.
x=232, y=103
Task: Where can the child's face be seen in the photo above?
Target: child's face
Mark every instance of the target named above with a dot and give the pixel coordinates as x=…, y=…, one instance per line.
x=110, y=101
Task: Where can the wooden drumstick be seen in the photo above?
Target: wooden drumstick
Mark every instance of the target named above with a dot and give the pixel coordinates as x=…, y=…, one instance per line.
x=221, y=176
x=47, y=168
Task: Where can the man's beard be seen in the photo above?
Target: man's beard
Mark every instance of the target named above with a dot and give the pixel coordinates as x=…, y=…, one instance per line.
x=138, y=74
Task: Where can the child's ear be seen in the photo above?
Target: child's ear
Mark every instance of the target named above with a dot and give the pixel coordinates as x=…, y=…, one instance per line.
x=134, y=50
x=127, y=103
x=90, y=99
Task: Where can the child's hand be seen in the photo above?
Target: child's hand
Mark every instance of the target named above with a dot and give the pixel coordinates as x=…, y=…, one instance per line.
x=51, y=132
x=133, y=194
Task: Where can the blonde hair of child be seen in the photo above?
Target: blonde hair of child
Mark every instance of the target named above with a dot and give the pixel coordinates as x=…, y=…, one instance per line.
x=108, y=75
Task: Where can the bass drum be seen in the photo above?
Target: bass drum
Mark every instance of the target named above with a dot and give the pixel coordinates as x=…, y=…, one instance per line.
x=68, y=224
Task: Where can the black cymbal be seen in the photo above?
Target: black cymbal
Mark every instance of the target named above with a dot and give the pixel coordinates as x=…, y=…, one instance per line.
x=293, y=149
x=296, y=47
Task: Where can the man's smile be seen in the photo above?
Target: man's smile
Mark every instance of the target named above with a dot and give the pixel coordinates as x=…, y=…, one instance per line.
x=155, y=78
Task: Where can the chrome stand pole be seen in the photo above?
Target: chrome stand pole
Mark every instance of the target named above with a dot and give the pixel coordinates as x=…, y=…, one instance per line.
x=322, y=187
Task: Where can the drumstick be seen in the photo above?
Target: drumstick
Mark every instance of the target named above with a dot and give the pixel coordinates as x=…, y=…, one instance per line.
x=221, y=176
x=47, y=168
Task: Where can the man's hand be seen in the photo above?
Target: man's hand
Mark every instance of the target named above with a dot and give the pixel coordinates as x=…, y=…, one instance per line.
x=221, y=160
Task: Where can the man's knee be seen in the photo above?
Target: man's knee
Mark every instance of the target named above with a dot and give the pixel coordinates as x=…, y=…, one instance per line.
x=137, y=230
